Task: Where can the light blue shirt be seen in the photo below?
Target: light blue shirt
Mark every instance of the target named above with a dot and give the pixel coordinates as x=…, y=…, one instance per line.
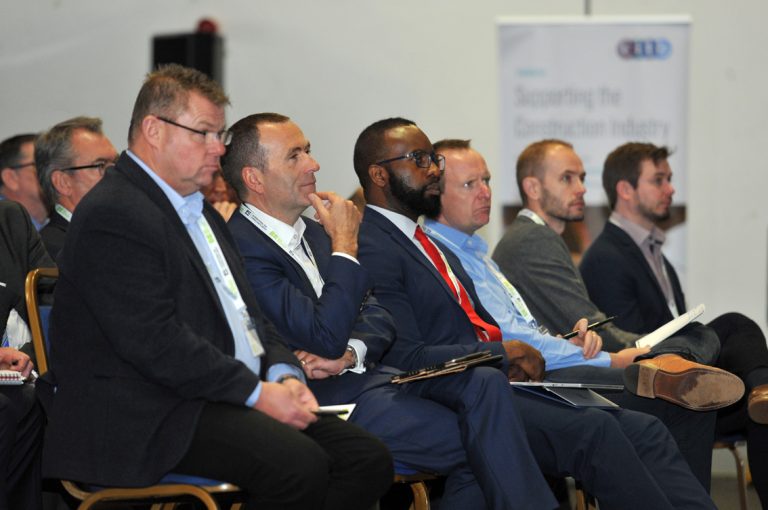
x=189, y=209
x=472, y=251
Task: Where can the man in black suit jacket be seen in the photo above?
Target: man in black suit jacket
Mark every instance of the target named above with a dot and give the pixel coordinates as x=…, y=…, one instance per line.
x=71, y=158
x=400, y=175
x=161, y=355
x=627, y=275
x=311, y=286
x=21, y=420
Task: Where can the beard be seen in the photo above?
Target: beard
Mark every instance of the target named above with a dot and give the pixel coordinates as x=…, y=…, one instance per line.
x=654, y=216
x=414, y=200
x=555, y=209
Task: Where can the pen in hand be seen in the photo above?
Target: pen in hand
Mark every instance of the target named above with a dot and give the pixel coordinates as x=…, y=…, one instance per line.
x=591, y=326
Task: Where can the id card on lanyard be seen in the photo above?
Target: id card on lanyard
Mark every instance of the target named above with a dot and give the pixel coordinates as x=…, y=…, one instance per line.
x=229, y=284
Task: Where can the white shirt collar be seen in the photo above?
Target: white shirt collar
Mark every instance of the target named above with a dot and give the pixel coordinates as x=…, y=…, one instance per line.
x=406, y=225
x=287, y=235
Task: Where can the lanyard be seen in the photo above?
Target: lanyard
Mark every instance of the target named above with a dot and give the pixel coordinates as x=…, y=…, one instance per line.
x=517, y=300
x=63, y=212
x=307, y=263
x=532, y=215
x=230, y=286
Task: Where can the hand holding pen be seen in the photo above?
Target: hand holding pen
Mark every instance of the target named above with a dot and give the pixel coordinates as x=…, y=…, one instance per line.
x=585, y=337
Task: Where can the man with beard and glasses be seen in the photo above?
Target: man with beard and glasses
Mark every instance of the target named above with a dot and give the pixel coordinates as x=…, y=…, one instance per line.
x=626, y=459
x=627, y=275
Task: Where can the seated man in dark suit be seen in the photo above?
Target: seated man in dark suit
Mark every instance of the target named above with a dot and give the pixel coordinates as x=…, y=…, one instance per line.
x=71, y=158
x=310, y=285
x=633, y=461
x=162, y=357
x=21, y=420
x=626, y=274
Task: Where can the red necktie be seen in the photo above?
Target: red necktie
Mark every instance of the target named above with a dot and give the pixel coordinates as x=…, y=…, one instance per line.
x=485, y=332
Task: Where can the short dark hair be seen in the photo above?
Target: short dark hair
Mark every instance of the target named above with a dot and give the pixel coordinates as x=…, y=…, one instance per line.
x=369, y=148
x=10, y=151
x=53, y=150
x=166, y=92
x=245, y=149
x=447, y=144
x=530, y=162
x=623, y=164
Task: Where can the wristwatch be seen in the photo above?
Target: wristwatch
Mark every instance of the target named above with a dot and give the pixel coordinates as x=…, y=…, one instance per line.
x=354, y=356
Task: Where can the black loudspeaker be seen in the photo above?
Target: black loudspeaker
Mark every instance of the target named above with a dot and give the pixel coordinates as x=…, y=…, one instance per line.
x=199, y=50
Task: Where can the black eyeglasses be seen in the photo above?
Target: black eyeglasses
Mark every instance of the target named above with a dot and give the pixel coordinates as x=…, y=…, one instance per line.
x=101, y=166
x=224, y=136
x=422, y=159
x=22, y=165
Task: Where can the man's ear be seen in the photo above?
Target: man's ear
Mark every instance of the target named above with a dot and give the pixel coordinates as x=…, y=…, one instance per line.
x=61, y=182
x=150, y=128
x=253, y=178
x=10, y=179
x=532, y=187
x=378, y=175
x=624, y=190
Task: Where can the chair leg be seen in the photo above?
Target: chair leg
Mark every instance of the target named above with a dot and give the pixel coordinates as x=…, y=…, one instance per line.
x=420, y=496
x=741, y=475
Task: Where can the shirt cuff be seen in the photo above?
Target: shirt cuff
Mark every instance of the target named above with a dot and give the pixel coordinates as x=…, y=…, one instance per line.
x=278, y=370
x=254, y=396
x=360, y=351
x=346, y=256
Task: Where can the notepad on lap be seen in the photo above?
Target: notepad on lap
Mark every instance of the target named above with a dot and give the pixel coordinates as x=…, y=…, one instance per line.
x=670, y=328
x=11, y=377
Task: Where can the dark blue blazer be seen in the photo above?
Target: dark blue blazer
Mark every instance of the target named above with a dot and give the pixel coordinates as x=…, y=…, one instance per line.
x=321, y=325
x=431, y=325
x=621, y=282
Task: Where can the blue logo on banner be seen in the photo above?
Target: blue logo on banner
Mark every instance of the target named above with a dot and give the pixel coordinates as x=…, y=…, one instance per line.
x=658, y=49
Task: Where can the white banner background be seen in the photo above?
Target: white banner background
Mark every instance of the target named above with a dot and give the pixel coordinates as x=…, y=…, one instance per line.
x=596, y=83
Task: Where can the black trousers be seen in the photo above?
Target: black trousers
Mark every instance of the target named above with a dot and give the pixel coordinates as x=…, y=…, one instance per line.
x=21, y=427
x=330, y=465
x=743, y=352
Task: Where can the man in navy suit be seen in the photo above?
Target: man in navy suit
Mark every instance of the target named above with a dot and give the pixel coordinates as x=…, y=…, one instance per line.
x=633, y=460
x=163, y=359
x=309, y=283
x=626, y=274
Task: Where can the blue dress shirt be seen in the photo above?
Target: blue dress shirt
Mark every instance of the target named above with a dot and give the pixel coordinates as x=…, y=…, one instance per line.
x=472, y=251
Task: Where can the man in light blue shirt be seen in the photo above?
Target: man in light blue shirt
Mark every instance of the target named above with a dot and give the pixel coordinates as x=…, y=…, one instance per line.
x=466, y=200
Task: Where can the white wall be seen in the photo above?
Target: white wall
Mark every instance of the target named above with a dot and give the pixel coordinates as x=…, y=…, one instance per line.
x=337, y=65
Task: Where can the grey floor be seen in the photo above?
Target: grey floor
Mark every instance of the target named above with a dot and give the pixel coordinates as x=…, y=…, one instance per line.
x=726, y=496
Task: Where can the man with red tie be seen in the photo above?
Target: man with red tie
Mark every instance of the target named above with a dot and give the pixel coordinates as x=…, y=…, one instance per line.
x=626, y=459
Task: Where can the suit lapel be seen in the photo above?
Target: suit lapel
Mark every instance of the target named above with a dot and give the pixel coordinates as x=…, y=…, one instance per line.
x=637, y=256
x=410, y=248
x=134, y=173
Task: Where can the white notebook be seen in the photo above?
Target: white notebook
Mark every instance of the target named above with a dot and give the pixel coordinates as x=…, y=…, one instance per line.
x=11, y=377
x=670, y=328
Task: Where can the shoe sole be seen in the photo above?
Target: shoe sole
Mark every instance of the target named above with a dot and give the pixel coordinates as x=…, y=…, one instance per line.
x=697, y=389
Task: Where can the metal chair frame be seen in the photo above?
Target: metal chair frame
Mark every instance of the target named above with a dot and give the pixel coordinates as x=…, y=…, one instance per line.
x=163, y=496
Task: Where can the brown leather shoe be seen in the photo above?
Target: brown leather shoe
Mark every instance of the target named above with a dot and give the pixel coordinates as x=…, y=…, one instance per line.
x=686, y=383
x=758, y=404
